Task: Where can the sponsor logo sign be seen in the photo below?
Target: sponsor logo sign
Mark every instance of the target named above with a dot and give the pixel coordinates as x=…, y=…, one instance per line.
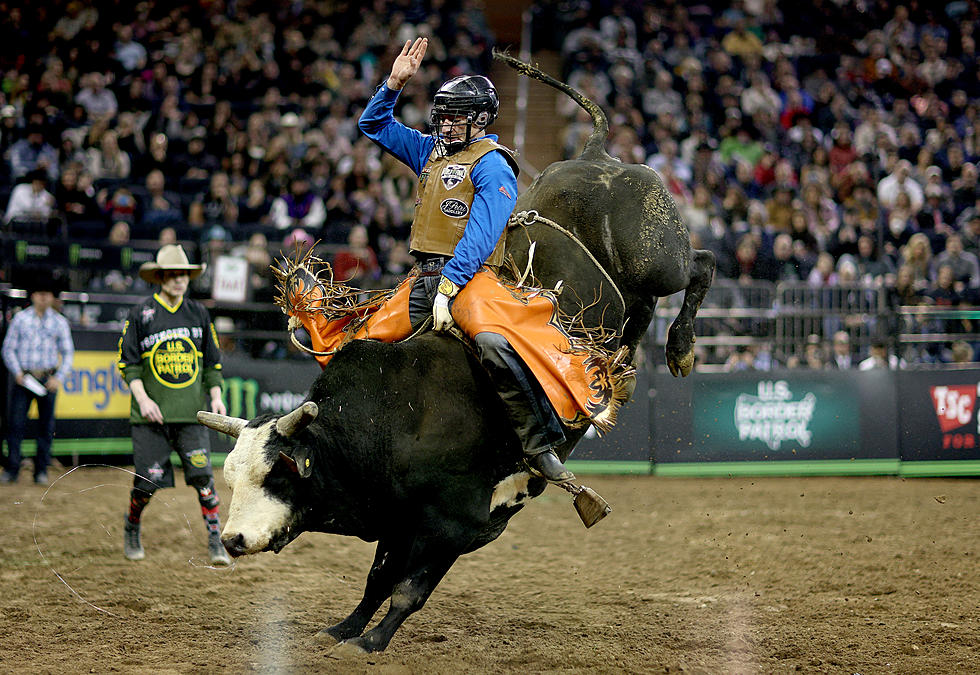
x=774, y=416
x=94, y=389
x=955, y=406
x=454, y=208
x=770, y=419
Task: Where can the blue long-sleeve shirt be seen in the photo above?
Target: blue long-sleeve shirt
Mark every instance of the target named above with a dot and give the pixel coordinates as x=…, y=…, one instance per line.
x=493, y=179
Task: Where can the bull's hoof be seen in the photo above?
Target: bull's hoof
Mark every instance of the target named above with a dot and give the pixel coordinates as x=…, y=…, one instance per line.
x=681, y=366
x=325, y=638
x=348, y=649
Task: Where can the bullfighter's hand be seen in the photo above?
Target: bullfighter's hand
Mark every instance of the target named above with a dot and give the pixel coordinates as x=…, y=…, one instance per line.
x=442, y=319
x=407, y=62
x=151, y=411
x=218, y=406
x=53, y=384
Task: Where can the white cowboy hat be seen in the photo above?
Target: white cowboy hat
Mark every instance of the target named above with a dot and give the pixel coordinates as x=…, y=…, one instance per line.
x=169, y=257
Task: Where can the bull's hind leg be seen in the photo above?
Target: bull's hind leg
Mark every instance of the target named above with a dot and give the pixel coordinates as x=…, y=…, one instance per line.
x=387, y=568
x=680, y=336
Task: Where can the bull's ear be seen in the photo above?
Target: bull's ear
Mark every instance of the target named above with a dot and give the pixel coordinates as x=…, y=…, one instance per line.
x=298, y=462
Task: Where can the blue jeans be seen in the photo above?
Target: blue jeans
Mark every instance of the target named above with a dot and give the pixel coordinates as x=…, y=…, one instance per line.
x=20, y=401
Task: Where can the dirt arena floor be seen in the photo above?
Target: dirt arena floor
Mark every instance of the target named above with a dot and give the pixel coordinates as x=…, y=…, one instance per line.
x=736, y=575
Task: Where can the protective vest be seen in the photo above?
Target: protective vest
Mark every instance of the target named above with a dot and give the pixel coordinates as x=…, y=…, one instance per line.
x=442, y=208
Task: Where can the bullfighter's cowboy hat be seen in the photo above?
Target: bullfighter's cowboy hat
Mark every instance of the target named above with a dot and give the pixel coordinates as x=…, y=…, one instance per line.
x=169, y=257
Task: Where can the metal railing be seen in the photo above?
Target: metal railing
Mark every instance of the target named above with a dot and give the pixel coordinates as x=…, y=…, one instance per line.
x=782, y=318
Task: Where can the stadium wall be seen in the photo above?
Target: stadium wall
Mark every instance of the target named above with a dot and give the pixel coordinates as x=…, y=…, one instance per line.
x=791, y=422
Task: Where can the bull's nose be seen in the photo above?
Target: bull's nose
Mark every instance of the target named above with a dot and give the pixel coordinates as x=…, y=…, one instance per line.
x=234, y=545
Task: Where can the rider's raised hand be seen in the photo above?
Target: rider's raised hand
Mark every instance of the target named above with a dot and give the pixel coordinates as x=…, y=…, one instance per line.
x=407, y=62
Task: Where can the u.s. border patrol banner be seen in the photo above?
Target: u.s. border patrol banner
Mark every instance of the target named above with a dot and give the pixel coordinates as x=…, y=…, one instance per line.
x=779, y=415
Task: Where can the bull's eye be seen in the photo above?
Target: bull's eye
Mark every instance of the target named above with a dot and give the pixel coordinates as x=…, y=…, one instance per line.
x=289, y=461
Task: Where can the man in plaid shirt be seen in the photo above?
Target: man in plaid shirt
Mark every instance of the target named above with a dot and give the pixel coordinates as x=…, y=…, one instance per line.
x=38, y=353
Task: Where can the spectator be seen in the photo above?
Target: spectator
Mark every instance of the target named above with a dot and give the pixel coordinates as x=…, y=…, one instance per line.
x=255, y=207
x=77, y=203
x=159, y=207
x=841, y=357
x=31, y=201
x=964, y=265
x=108, y=161
x=881, y=358
x=99, y=102
x=356, y=264
x=33, y=152
x=130, y=54
x=900, y=181
x=38, y=353
x=298, y=207
x=165, y=401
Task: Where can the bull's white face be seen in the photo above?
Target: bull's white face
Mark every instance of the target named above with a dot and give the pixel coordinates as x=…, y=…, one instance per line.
x=255, y=514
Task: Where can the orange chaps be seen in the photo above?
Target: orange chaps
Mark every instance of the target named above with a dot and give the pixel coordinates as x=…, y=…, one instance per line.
x=583, y=382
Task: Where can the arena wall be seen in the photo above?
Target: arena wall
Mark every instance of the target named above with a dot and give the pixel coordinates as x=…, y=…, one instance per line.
x=791, y=422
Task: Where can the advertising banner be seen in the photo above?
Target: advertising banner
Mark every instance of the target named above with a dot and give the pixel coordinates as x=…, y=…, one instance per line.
x=779, y=415
x=940, y=415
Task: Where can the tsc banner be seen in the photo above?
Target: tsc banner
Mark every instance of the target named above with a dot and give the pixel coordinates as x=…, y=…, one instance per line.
x=779, y=415
x=940, y=415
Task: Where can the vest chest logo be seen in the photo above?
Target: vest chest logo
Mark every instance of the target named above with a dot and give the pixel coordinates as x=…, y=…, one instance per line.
x=454, y=208
x=453, y=175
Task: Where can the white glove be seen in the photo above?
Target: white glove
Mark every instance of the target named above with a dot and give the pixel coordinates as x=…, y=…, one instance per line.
x=442, y=320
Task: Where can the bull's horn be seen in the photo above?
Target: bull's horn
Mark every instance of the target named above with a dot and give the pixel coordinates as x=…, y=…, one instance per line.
x=227, y=425
x=298, y=419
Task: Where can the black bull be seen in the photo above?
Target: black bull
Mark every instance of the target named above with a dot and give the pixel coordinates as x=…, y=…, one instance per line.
x=407, y=444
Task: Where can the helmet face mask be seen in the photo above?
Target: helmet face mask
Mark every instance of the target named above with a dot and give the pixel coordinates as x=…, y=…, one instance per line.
x=462, y=107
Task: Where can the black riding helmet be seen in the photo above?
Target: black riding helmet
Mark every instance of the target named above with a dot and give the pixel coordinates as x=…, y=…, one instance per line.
x=470, y=96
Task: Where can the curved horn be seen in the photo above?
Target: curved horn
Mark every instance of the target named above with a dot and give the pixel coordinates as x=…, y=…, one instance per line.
x=228, y=425
x=297, y=420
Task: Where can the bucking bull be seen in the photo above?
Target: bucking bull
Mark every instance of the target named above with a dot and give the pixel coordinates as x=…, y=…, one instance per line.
x=408, y=445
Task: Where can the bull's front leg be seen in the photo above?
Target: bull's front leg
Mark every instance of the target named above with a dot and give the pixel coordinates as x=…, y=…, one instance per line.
x=427, y=565
x=387, y=568
x=680, y=336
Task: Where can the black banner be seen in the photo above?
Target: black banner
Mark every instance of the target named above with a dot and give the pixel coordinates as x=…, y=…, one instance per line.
x=939, y=414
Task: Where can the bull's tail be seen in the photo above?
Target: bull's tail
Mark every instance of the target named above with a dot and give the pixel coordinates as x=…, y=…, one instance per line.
x=595, y=146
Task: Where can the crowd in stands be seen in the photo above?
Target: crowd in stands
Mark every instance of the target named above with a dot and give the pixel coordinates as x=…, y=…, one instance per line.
x=822, y=142
x=230, y=125
x=819, y=143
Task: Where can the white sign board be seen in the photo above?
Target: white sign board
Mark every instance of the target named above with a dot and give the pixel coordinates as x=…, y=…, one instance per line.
x=230, y=279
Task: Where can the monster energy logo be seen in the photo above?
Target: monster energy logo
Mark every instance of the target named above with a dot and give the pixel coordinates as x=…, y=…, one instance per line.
x=126, y=258
x=20, y=250
x=241, y=396
x=73, y=254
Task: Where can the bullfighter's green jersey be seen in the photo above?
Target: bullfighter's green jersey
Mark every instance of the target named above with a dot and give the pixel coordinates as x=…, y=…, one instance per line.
x=174, y=351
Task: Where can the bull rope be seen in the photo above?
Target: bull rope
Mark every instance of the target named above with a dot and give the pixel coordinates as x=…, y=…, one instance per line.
x=526, y=218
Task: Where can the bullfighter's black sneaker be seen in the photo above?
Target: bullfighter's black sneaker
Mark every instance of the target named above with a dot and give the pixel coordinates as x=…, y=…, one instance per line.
x=132, y=546
x=216, y=550
x=548, y=466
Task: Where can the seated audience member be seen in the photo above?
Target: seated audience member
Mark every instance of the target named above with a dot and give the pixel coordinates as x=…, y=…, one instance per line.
x=160, y=207
x=961, y=352
x=881, y=358
x=840, y=356
x=254, y=208
x=965, y=267
x=216, y=206
x=108, y=161
x=356, y=264
x=78, y=204
x=33, y=152
x=298, y=207
x=30, y=200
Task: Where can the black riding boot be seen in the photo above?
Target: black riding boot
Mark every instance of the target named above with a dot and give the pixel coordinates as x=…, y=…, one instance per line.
x=527, y=407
